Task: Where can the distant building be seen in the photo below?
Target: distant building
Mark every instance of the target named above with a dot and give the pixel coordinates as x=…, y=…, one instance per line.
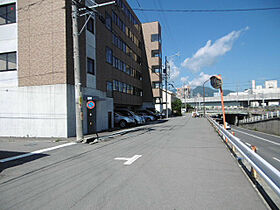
x=183, y=92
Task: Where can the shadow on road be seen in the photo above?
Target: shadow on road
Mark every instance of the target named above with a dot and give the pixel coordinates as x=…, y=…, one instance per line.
x=13, y=163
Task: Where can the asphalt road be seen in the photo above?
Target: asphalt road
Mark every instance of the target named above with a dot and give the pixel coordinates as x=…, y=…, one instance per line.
x=268, y=146
x=181, y=164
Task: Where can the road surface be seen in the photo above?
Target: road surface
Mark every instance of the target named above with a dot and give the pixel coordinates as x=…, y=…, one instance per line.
x=268, y=146
x=179, y=164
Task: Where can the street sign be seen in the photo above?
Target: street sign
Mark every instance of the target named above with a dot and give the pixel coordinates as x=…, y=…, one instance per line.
x=216, y=81
x=90, y=104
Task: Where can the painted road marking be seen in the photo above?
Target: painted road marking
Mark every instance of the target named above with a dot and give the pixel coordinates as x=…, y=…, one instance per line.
x=272, y=142
x=268, y=134
x=276, y=159
x=129, y=161
x=36, y=152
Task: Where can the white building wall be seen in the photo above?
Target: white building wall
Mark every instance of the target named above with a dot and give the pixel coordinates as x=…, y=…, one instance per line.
x=8, y=43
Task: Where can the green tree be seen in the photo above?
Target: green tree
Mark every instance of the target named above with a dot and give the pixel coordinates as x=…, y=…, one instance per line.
x=176, y=107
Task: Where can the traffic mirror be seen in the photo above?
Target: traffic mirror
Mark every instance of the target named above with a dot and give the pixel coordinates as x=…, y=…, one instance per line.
x=216, y=81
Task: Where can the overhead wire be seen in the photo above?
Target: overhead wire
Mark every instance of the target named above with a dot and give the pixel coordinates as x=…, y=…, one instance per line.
x=206, y=10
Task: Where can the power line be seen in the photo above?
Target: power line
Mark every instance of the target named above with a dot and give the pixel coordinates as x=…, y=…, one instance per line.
x=206, y=10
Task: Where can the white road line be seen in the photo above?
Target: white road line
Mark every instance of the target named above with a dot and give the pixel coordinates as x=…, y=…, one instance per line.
x=129, y=161
x=260, y=132
x=276, y=159
x=36, y=152
x=272, y=142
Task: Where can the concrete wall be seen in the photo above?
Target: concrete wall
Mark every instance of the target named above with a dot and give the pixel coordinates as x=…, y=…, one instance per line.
x=269, y=126
x=37, y=111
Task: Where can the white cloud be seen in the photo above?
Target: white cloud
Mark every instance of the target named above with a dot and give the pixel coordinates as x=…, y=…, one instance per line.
x=184, y=79
x=174, y=70
x=208, y=55
x=199, y=80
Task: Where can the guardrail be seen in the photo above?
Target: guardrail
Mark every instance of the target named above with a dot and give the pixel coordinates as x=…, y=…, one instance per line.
x=267, y=116
x=270, y=174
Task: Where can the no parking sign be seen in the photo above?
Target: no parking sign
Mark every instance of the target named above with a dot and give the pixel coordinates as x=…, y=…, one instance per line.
x=90, y=104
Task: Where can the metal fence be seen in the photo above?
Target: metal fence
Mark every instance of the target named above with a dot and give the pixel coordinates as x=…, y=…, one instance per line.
x=259, y=118
x=270, y=174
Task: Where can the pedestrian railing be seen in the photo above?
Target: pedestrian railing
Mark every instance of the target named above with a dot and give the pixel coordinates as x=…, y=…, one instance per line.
x=259, y=118
x=265, y=170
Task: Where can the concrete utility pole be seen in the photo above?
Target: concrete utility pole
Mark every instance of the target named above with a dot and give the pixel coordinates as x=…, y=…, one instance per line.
x=77, y=73
x=76, y=56
x=185, y=97
x=166, y=84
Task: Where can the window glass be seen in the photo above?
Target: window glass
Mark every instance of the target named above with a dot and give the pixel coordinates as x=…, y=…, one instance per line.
x=90, y=25
x=3, y=63
x=11, y=13
x=3, y=15
x=108, y=21
x=12, y=61
x=156, y=53
x=109, y=55
x=8, y=61
x=90, y=66
x=156, y=69
x=7, y=14
x=155, y=38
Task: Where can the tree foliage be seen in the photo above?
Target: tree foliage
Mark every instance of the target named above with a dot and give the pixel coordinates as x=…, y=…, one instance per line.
x=176, y=107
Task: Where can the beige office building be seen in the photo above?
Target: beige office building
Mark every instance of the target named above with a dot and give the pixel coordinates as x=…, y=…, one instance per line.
x=153, y=47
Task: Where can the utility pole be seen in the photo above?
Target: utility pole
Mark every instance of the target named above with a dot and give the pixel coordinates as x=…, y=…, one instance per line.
x=77, y=73
x=76, y=57
x=166, y=84
x=185, y=97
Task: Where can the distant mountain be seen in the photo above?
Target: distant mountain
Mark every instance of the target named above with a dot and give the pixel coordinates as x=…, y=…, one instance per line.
x=208, y=91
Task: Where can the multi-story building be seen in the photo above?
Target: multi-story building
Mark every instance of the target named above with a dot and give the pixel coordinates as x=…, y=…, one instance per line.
x=121, y=67
x=37, y=71
x=152, y=41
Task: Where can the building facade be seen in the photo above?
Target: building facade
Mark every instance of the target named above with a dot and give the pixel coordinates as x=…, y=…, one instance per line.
x=153, y=48
x=37, y=68
x=37, y=74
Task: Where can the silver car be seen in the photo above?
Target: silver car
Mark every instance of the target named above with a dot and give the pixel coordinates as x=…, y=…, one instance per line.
x=122, y=120
x=137, y=119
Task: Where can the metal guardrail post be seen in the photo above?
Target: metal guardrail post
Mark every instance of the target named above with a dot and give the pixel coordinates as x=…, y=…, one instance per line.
x=253, y=171
x=277, y=113
x=264, y=169
x=271, y=114
x=266, y=115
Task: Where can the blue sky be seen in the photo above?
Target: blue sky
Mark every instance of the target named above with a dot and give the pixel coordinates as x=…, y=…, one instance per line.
x=241, y=46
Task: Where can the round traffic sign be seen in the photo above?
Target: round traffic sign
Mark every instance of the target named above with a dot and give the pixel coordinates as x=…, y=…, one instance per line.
x=90, y=104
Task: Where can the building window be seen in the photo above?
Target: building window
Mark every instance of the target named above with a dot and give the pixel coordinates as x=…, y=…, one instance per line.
x=156, y=53
x=90, y=25
x=8, y=61
x=109, y=55
x=155, y=38
x=156, y=84
x=90, y=66
x=7, y=14
x=109, y=89
x=156, y=69
x=108, y=21
x=116, y=85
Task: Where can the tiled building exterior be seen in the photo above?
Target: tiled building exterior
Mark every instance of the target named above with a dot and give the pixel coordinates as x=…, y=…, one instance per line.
x=36, y=67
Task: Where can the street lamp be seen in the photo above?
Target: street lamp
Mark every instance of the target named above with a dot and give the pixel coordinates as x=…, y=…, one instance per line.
x=217, y=82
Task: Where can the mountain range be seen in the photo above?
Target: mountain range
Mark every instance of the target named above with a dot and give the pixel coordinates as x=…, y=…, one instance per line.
x=208, y=91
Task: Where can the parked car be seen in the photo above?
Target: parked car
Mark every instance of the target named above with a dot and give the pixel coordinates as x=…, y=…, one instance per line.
x=137, y=119
x=147, y=117
x=123, y=120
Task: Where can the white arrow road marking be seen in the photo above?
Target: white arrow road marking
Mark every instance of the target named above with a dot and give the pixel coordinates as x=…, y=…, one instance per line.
x=129, y=161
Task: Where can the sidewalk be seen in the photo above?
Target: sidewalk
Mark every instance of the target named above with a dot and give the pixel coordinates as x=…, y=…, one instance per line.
x=13, y=146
